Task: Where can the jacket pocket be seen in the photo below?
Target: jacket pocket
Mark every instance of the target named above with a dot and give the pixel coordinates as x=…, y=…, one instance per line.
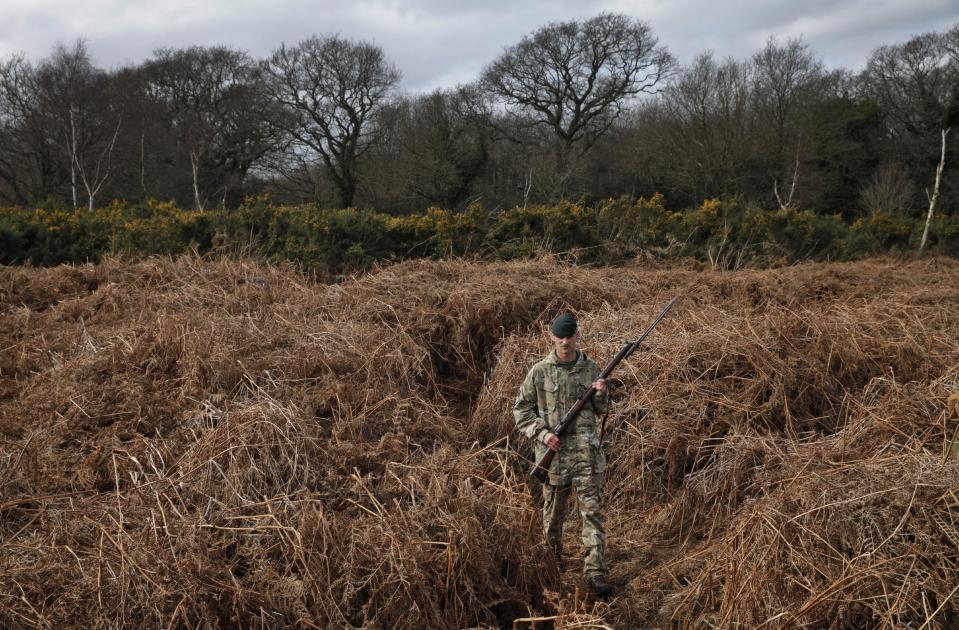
x=551, y=398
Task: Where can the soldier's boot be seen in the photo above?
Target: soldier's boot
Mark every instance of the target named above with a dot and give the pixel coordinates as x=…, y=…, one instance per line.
x=557, y=551
x=599, y=586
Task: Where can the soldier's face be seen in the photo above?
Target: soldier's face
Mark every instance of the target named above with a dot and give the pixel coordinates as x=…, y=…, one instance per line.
x=565, y=346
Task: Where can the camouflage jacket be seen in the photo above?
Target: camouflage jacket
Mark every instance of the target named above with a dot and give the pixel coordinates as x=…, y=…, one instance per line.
x=548, y=392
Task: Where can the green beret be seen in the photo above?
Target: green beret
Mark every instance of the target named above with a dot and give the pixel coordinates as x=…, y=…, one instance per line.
x=564, y=325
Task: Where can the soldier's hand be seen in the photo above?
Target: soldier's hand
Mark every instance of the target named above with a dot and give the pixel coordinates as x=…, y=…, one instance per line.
x=600, y=385
x=551, y=441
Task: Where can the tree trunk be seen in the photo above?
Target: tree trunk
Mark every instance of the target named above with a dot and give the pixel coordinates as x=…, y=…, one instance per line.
x=94, y=186
x=792, y=187
x=347, y=190
x=143, y=186
x=196, y=186
x=527, y=188
x=345, y=184
x=73, y=158
x=564, y=158
x=935, y=193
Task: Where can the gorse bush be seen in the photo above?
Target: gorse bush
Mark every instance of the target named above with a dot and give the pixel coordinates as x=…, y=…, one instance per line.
x=47, y=237
x=726, y=233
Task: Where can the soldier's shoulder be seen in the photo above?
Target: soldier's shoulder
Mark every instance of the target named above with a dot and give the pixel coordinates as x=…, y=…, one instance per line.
x=539, y=367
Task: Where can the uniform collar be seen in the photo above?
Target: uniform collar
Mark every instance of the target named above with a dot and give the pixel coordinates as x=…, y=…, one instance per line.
x=552, y=358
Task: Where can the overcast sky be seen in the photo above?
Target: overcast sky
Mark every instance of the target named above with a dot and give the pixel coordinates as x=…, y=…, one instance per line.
x=438, y=43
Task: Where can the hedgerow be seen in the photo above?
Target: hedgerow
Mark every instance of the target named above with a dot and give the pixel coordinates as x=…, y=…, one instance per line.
x=726, y=233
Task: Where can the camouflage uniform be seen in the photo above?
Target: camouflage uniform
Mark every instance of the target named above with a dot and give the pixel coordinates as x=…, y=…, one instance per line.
x=550, y=389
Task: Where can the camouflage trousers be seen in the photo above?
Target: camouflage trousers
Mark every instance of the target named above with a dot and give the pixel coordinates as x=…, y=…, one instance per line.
x=555, y=500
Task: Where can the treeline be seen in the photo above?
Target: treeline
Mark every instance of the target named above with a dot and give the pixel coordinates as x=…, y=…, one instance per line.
x=581, y=110
x=724, y=234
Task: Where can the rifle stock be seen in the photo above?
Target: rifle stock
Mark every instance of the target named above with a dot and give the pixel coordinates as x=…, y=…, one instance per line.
x=540, y=471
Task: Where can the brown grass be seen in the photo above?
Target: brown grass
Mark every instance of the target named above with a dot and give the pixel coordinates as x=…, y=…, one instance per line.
x=194, y=442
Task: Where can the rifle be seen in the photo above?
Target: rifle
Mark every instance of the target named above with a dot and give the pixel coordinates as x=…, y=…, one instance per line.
x=541, y=469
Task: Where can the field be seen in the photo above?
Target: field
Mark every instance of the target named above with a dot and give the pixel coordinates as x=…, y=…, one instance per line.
x=211, y=443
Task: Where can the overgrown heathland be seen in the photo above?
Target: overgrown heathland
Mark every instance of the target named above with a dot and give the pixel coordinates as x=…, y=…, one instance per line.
x=196, y=441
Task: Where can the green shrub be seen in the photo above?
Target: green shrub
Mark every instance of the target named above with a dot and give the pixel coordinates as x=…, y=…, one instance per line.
x=944, y=235
x=726, y=233
x=803, y=234
x=880, y=232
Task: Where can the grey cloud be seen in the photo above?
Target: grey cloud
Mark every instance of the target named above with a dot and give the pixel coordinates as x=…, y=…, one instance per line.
x=437, y=43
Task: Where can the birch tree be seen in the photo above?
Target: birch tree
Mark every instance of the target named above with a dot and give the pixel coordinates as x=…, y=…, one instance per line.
x=917, y=86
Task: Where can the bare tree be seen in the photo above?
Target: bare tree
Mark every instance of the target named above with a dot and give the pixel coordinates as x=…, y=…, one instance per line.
x=93, y=178
x=935, y=193
x=73, y=97
x=70, y=80
x=574, y=79
x=911, y=82
x=436, y=147
x=220, y=112
x=787, y=78
x=25, y=156
x=889, y=190
x=58, y=121
x=63, y=79
x=917, y=85
x=333, y=88
x=950, y=42
x=705, y=125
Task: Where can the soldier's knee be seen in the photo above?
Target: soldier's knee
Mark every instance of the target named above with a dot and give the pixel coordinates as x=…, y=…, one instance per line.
x=589, y=503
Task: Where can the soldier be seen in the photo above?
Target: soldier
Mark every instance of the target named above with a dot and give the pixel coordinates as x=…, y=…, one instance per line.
x=551, y=388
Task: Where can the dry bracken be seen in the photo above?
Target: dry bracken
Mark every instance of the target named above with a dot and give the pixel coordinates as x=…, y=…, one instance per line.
x=213, y=443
